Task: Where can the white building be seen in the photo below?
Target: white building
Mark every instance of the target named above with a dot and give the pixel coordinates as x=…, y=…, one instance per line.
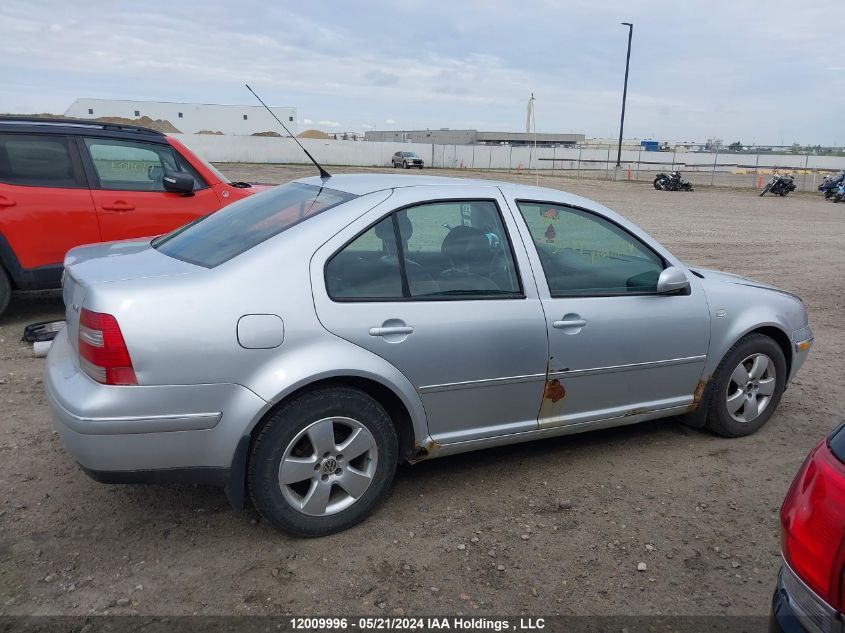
x=190, y=117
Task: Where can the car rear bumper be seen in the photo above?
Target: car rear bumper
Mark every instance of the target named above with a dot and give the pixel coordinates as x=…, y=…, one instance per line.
x=146, y=433
x=798, y=610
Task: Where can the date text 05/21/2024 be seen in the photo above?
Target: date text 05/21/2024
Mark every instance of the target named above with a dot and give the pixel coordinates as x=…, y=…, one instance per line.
x=418, y=624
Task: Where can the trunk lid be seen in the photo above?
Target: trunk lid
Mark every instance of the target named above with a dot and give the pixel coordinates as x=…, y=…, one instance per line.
x=120, y=261
x=86, y=266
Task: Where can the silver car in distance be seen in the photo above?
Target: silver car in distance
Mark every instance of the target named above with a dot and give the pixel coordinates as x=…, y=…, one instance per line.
x=297, y=345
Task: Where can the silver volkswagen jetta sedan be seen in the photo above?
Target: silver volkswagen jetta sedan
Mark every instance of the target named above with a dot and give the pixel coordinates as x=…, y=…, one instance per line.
x=296, y=345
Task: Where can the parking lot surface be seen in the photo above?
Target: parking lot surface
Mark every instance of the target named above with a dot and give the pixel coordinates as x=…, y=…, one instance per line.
x=555, y=526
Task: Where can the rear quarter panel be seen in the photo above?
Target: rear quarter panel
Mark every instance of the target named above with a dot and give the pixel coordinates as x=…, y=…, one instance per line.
x=183, y=329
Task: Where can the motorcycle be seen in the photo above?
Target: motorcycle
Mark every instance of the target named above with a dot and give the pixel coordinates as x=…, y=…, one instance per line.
x=672, y=182
x=830, y=185
x=779, y=185
x=839, y=196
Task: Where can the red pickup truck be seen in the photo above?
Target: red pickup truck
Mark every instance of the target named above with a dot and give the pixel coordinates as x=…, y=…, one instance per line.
x=66, y=182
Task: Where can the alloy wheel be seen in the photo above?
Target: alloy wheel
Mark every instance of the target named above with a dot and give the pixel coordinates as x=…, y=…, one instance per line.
x=328, y=466
x=751, y=387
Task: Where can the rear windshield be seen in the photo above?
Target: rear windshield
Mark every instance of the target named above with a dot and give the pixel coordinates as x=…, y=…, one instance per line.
x=218, y=237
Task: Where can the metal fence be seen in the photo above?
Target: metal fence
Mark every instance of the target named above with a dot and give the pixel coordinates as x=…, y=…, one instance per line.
x=700, y=168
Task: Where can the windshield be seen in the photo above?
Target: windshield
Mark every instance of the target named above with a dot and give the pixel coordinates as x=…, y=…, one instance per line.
x=218, y=237
x=410, y=155
x=213, y=169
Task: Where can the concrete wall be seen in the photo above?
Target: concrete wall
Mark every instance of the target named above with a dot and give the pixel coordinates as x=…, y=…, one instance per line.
x=229, y=149
x=440, y=137
x=228, y=119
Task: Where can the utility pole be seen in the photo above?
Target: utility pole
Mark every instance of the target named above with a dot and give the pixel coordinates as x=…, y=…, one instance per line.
x=624, y=93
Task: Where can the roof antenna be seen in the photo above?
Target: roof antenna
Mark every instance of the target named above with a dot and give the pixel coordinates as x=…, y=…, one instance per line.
x=323, y=173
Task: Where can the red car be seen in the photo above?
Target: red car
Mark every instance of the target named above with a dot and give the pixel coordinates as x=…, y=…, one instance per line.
x=810, y=595
x=69, y=182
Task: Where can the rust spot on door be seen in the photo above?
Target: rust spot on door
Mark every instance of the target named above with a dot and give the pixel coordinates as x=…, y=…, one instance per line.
x=637, y=411
x=554, y=391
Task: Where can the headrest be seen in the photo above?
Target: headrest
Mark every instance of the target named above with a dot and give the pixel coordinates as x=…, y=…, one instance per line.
x=384, y=230
x=465, y=244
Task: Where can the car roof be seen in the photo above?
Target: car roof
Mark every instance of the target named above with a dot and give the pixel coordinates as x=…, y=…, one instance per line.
x=360, y=184
x=46, y=125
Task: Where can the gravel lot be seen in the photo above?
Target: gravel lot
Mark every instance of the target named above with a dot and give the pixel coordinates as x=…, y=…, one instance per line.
x=553, y=526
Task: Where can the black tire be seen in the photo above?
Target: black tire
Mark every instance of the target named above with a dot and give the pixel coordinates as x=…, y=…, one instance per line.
x=282, y=428
x=5, y=291
x=719, y=420
x=658, y=183
x=837, y=197
x=405, y=165
x=393, y=162
x=766, y=189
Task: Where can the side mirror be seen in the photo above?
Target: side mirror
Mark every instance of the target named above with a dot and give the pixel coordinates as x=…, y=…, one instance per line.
x=178, y=182
x=672, y=280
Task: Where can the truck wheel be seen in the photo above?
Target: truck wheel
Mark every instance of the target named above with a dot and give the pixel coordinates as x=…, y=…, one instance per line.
x=5, y=291
x=323, y=461
x=746, y=387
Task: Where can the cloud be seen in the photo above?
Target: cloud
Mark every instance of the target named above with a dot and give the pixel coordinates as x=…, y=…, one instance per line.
x=380, y=78
x=448, y=64
x=389, y=121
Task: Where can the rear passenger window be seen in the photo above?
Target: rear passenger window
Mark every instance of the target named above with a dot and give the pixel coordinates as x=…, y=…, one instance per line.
x=130, y=166
x=368, y=268
x=446, y=250
x=37, y=161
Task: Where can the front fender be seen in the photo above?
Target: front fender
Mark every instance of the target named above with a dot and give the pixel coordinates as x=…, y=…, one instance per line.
x=738, y=309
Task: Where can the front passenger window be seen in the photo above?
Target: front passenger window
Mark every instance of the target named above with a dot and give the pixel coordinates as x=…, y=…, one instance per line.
x=583, y=254
x=128, y=166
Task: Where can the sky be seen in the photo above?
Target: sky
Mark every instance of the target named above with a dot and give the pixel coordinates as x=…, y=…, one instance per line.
x=753, y=71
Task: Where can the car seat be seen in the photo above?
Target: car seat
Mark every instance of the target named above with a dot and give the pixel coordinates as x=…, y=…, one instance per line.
x=469, y=252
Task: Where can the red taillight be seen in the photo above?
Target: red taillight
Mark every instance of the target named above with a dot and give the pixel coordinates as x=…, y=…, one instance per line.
x=102, y=350
x=813, y=525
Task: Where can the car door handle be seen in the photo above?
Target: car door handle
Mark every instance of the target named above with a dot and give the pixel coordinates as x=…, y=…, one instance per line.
x=120, y=205
x=5, y=202
x=567, y=323
x=391, y=330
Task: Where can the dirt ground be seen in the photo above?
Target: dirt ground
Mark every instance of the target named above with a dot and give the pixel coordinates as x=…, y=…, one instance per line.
x=490, y=532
